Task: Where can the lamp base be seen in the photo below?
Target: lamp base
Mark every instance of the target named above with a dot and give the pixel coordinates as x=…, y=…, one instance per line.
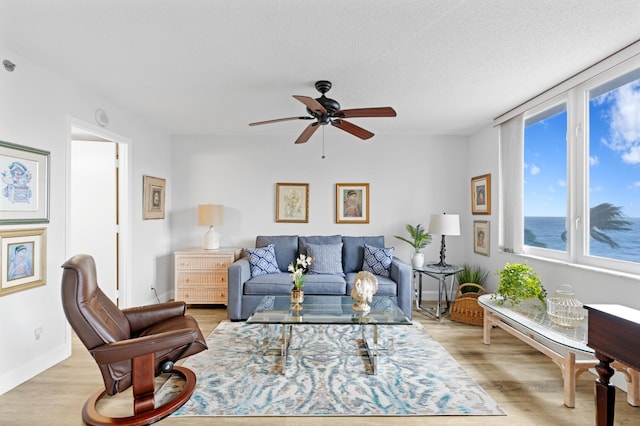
x=442, y=263
x=211, y=239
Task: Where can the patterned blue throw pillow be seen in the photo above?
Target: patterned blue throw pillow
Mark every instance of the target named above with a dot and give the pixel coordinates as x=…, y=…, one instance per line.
x=262, y=260
x=377, y=260
x=327, y=259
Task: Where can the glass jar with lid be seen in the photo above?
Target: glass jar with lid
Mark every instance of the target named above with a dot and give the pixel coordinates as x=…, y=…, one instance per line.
x=563, y=308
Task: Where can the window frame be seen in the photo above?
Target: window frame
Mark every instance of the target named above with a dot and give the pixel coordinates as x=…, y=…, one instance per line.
x=583, y=90
x=533, y=112
x=578, y=233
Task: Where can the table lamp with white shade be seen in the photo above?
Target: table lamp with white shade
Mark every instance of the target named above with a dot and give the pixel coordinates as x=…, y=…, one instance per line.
x=210, y=215
x=444, y=224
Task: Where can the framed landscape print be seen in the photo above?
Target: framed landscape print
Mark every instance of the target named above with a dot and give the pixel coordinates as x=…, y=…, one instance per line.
x=352, y=203
x=22, y=254
x=153, y=193
x=481, y=194
x=292, y=202
x=481, y=237
x=24, y=190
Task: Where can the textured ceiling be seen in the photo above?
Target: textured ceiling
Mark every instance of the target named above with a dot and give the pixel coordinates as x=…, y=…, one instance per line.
x=211, y=67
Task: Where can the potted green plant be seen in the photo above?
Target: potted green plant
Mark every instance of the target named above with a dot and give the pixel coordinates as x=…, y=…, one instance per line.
x=471, y=274
x=420, y=238
x=518, y=282
x=465, y=307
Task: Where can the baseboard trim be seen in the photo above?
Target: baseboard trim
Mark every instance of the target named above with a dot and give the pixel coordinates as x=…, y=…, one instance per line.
x=21, y=373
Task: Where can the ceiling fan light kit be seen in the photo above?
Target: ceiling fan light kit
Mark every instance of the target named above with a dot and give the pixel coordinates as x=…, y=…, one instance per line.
x=325, y=111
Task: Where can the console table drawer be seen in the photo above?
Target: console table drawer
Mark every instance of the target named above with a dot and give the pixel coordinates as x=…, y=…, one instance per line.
x=206, y=263
x=196, y=295
x=201, y=279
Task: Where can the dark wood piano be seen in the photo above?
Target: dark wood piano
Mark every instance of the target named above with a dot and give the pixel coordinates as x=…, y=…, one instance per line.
x=614, y=333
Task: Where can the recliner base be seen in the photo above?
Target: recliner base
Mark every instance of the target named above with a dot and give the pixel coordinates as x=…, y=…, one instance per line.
x=91, y=416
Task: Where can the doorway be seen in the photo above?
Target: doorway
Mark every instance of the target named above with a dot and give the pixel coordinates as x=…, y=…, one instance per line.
x=97, y=203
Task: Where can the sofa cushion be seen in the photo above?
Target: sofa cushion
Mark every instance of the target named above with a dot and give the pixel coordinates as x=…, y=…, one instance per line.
x=327, y=258
x=325, y=284
x=286, y=247
x=262, y=260
x=377, y=260
x=280, y=283
x=353, y=251
x=317, y=239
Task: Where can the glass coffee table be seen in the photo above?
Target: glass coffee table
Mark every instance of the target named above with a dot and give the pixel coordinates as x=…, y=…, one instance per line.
x=329, y=310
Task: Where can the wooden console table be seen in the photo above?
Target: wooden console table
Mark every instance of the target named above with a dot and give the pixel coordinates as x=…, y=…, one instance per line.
x=566, y=347
x=201, y=276
x=614, y=334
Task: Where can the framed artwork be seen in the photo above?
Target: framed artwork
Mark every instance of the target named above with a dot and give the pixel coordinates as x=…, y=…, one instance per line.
x=292, y=202
x=481, y=237
x=153, y=194
x=22, y=254
x=24, y=190
x=352, y=203
x=481, y=194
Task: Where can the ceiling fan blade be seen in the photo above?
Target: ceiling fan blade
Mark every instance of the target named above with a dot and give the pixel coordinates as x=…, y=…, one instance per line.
x=352, y=128
x=366, y=112
x=307, y=133
x=277, y=120
x=311, y=103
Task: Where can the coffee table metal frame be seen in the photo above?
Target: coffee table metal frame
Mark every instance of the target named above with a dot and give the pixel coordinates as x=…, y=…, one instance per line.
x=328, y=310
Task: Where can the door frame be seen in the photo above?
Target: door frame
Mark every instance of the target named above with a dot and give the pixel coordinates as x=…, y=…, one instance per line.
x=124, y=217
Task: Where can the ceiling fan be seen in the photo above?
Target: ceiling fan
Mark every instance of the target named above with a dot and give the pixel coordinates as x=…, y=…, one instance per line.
x=327, y=111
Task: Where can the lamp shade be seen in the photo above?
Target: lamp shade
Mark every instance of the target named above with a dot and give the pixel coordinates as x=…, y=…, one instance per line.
x=210, y=214
x=444, y=224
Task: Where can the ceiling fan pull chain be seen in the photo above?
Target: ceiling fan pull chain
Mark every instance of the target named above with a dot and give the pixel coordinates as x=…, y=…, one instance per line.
x=323, y=142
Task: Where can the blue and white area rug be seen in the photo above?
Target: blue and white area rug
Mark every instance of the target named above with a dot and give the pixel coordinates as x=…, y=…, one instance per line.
x=327, y=375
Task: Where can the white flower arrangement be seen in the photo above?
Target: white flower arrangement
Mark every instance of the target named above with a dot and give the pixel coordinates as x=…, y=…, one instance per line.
x=297, y=271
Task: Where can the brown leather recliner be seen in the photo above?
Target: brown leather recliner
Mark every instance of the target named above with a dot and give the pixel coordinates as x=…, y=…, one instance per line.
x=131, y=346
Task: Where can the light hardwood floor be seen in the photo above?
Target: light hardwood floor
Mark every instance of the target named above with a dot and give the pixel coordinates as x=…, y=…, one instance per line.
x=525, y=383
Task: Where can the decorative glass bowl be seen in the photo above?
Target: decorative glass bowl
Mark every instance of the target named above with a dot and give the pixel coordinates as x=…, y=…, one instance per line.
x=564, y=309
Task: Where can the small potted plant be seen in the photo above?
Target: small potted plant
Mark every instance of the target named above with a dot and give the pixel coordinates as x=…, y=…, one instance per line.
x=465, y=307
x=518, y=282
x=419, y=240
x=471, y=274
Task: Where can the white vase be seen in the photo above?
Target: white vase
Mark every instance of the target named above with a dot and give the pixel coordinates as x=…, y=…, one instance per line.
x=417, y=260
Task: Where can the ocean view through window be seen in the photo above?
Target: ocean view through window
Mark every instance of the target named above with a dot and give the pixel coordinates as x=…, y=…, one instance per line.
x=603, y=188
x=614, y=166
x=545, y=170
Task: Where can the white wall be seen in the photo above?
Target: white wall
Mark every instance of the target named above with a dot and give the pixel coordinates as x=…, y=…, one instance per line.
x=410, y=177
x=34, y=107
x=590, y=285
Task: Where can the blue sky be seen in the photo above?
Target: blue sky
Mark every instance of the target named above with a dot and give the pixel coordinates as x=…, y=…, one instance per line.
x=614, y=156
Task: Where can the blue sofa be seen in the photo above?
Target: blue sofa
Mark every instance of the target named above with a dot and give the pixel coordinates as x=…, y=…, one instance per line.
x=245, y=292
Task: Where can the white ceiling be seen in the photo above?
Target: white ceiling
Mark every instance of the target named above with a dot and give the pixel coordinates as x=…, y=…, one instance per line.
x=213, y=66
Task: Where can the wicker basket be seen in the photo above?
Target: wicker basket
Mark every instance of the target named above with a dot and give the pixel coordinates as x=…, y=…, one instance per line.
x=465, y=307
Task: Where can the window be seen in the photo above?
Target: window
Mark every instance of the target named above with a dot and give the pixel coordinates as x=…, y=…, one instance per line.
x=581, y=174
x=545, y=179
x=614, y=169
